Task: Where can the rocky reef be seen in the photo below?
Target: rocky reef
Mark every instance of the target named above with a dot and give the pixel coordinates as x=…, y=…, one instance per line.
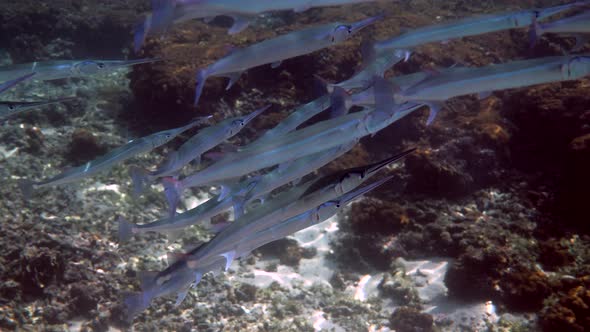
x=497, y=187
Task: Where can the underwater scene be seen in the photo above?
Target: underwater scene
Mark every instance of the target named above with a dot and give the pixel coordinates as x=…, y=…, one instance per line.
x=295, y=165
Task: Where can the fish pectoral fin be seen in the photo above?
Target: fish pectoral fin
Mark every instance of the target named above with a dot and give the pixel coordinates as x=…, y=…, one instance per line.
x=240, y=23
x=276, y=64
x=238, y=208
x=434, y=110
x=225, y=191
x=181, y=296
x=233, y=78
x=229, y=258
x=340, y=102
x=198, y=278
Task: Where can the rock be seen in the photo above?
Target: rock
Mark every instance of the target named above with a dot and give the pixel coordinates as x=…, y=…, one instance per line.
x=246, y=292
x=569, y=309
x=84, y=146
x=406, y=319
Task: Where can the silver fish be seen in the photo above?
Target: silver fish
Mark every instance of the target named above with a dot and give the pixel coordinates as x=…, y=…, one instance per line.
x=52, y=70
x=182, y=271
x=10, y=108
x=437, y=88
x=275, y=50
x=193, y=148
x=9, y=84
x=471, y=27
x=118, y=155
x=168, y=12
x=286, y=205
x=576, y=26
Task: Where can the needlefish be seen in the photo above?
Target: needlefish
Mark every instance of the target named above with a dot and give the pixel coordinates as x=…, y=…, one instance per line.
x=10, y=108
x=472, y=26
x=118, y=155
x=53, y=70
x=192, y=150
x=237, y=196
x=275, y=50
x=169, y=12
x=320, y=136
x=437, y=88
x=9, y=84
x=577, y=26
x=286, y=205
x=182, y=272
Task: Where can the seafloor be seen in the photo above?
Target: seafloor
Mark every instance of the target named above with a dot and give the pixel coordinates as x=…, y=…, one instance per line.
x=485, y=228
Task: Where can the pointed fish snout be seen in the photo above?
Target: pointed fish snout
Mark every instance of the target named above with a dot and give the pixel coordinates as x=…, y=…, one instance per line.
x=351, y=196
x=256, y=113
x=128, y=63
x=358, y=26
x=372, y=169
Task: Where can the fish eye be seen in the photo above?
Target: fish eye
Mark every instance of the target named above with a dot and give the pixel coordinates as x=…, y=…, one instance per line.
x=100, y=65
x=11, y=107
x=341, y=33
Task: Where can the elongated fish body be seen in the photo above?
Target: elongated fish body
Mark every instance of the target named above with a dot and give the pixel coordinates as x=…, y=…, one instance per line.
x=52, y=70
x=118, y=155
x=275, y=50
x=10, y=108
x=307, y=219
x=472, y=27
x=246, y=191
x=182, y=271
x=439, y=88
x=295, y=170
x=201, y=213
x=169, y=12
x=309, y=140
x=193, y=148
x=577, y=25
x=287, y=205
x=11, y=83
x=376, y=66
x=294, y=120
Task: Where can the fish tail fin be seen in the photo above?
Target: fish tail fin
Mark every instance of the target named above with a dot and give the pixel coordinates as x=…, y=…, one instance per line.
x=136, y=303
x=140, y=33
x=535, y=32
x=140, y=179
x=238, y=206
x=322, y=86
x=26, y=187
x=172, y=189
x=340, y=102
x=125, y=229
x=162, y=14
x=201, y=78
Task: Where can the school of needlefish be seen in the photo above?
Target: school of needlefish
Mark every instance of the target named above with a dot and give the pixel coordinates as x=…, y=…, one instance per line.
x=265, y=182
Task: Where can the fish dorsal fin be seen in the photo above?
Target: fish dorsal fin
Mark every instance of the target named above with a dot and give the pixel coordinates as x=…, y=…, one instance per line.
x=229, y=258
x=241, y=22
x=181, y=296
